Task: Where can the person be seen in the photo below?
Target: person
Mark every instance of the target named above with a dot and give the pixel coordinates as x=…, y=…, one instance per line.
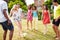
x=46, y=18
x=29, y=17
x=56, y=20
x=35, y=16
x=5, y=21
x=16, y=12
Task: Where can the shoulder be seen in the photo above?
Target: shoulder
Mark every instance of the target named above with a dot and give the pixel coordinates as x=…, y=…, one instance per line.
x=3, y=2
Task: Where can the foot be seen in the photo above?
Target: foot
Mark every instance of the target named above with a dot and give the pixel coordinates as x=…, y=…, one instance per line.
x=23, y=34
x=36, y=28
x=57, y=38
x=44, y=32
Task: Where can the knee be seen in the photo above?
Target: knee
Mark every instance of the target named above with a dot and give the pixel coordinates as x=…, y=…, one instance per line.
x=53, y=27
x=5, y=31
x=12, y=30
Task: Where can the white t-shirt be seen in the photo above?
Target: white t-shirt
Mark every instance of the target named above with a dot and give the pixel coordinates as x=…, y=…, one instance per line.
x=17, y=14
x=20, y=11
x=3, y=5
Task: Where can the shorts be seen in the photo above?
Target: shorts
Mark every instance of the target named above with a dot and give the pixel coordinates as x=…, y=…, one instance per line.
x=17, y=19
x=56, y=22
x=35, y=18
x=5, y=26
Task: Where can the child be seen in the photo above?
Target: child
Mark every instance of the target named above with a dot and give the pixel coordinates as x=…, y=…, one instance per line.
x=35, y=17
x=16, y=14
x=46, y=17
x=29, y=16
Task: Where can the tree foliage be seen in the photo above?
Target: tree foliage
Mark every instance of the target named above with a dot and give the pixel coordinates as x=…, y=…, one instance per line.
x=21, y=2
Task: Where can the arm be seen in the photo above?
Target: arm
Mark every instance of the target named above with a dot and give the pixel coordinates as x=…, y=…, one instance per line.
x=11, y=13
x=21, y=15
x=49, y=13
x=5, y=9
x=5, y=14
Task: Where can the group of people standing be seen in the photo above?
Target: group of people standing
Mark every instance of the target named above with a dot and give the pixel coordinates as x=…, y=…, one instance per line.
x=32, y=15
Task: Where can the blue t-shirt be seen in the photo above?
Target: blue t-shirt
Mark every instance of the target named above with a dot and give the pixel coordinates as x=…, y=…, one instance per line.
x=35, y=14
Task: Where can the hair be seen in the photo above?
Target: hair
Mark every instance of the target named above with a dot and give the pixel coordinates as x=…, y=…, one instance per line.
x=13, y=7
x=6, y=0
x=18, y=4
x=46, y=7
x=55, y=1
x=35, y=7
x=30, y=6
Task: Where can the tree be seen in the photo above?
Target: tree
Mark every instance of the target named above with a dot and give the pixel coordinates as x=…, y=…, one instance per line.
x=21, y=2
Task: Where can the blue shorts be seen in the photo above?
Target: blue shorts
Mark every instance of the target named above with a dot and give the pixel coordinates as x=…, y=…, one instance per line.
x=5, y=26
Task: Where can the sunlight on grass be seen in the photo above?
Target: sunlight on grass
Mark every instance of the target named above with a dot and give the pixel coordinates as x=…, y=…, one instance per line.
x=31, y=34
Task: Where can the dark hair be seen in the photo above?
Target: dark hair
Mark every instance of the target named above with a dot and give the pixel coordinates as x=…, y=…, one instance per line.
x=29, y=7
x=55, y=1
x=6, y=1
x=46, y=7
x=35, y=7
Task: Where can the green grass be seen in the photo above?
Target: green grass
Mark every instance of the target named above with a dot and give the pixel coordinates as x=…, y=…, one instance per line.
x=31, y=35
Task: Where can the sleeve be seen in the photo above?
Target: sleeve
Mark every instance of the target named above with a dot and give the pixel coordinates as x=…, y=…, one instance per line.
x=4, y=6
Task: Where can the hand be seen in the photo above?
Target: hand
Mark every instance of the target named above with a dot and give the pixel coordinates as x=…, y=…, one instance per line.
x=56, y=20
x=9, y=22
x=59, y=17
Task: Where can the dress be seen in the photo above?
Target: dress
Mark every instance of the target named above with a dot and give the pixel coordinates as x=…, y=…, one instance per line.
x=46, y=18
x=29, y=15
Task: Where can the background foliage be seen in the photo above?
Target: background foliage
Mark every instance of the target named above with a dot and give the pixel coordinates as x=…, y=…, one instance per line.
x=21, y=2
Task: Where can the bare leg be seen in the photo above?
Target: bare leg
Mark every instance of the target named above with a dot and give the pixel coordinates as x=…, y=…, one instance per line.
x=27, y=24
x=31, y=24
x=11, y=34
x=34, y=23
x=55, y=28
x=45, y=29
x=4, y=35
x=19, y=27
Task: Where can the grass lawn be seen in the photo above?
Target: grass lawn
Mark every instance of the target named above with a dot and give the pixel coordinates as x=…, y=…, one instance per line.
x=31, y=35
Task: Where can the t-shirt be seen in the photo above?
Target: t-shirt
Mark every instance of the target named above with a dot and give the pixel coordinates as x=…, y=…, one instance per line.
x=56, y=11
x=3, y=5
x=35, y=14
x=20, y=11
x=17, y=14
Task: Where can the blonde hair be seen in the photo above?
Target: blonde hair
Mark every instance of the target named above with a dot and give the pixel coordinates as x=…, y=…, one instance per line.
x=13, y=7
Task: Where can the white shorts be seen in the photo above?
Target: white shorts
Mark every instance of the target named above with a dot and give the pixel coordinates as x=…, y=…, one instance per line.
x=17, y=19
x=35, y=18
